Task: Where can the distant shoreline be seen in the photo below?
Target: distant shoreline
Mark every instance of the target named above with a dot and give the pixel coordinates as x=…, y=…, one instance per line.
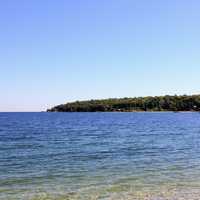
x=167, y=103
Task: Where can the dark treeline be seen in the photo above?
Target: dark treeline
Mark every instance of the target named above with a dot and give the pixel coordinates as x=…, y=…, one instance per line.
x=157, y=103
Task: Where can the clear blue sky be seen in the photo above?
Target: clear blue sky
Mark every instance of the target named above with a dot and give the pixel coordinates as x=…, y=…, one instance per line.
x=57, y=51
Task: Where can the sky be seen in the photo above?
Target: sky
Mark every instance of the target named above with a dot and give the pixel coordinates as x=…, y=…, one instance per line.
x=52, y=52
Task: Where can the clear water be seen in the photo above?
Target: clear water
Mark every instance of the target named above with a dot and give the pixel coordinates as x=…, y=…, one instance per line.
x=99, y=156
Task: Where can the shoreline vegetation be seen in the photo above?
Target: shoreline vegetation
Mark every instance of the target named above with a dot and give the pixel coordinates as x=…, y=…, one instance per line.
x=181, y=103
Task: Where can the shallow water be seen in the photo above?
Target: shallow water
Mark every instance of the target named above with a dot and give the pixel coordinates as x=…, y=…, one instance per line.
x=154, y=156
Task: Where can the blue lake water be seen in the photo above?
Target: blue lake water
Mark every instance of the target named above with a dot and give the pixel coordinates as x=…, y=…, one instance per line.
x=99, y=156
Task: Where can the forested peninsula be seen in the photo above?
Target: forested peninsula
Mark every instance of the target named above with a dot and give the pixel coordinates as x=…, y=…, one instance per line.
x=156, y=103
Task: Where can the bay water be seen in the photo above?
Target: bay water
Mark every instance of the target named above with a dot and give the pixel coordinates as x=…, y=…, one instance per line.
x=152, y=156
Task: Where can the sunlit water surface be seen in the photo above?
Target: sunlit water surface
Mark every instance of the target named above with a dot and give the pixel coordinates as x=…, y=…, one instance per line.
x=152, y=156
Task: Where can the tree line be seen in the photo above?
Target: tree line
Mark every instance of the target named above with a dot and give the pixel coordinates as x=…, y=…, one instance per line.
x=157, y=103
